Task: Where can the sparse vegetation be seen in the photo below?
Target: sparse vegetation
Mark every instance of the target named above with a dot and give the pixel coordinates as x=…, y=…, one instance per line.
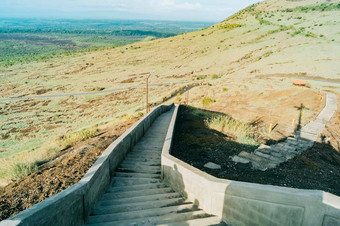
x=69, y=140
x=206, y=101
x=321, y=7
x=21, y=170
x=267, y=54
x=243, y=132
x=230, y=27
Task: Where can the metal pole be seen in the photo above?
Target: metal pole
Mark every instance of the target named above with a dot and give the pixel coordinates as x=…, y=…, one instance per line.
x=147, y=94
x=187, y=97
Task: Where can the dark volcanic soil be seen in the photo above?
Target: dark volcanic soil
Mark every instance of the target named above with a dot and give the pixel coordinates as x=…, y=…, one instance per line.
x=58, y=175
x=317, y=168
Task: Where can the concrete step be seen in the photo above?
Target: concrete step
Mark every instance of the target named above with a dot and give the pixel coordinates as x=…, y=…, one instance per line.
x=197, y=222
x=138, y=175
x=252, y=157
x=141, y=163
x=150, y=144
x=141, y=213
x=136, y=187
x=125, y=181
x=145, y=152
x=140, y=169
x=259, y=153
x=141, y=157
x=97, y=210
x=132, y=194
x=146, y=198
x=165, y=219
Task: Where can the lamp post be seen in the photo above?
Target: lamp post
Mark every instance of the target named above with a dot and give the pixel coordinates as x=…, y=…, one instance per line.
x=147, y=91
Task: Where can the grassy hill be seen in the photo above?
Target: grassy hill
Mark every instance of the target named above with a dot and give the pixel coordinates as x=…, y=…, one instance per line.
x=244, y=64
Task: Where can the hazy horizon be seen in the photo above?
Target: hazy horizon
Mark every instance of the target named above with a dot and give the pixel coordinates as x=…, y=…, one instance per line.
x=167, y=10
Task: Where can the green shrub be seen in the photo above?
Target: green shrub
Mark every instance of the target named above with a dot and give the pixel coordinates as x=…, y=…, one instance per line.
x=265, y=22
x=225, y=89
x=201, y=77
x=215, y=76
x=206, y=101
x=21, y=170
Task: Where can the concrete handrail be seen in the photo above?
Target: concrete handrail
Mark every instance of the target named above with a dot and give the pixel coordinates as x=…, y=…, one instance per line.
x=241, y=203
x=73, y=205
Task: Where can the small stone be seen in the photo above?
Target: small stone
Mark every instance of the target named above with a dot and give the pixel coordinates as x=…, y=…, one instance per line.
x=211, y=165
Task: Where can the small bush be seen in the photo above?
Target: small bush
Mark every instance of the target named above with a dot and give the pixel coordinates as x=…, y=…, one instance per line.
x=73, y=138
x=201, y=77
x=243, y=132
x=140, y=114
x=215, y=76
x=265, y=22
x=21, y=170
x=206, y=101
x=225, y=89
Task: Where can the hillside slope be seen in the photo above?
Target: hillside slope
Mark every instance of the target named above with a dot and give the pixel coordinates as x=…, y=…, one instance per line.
x=243, y=66
x=237, y=60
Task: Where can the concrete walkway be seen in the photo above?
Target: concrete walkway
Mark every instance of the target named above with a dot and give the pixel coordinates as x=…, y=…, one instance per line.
x=268, y=157
x=137, y=196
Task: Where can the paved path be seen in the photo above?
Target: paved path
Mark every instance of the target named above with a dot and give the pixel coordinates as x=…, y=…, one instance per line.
x=85, y=93
x=268, y=157
x=137, y=195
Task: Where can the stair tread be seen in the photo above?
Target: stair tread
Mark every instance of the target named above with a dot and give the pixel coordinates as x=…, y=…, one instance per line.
x=137, y=187
x=157, y=220
x=138, y=206
x=155, y=212
x=213, y=220
x=131, y=194
x=139, y=199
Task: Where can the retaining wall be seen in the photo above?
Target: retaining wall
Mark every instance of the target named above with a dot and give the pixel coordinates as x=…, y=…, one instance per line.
x=73, y=205
x=240, y=203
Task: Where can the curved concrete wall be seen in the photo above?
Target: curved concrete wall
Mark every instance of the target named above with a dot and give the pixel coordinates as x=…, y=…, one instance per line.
x=240, y=203
x=73, y=205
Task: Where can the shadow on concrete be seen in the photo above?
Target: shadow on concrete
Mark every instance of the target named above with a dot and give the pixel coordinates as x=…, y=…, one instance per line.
x=179, y=186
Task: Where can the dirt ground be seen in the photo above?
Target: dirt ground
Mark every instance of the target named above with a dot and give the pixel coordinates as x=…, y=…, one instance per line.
x=58, y=175
x=317, y=168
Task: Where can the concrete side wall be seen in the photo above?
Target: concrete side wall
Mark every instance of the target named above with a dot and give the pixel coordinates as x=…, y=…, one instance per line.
x=73, y=205
x=240, y=203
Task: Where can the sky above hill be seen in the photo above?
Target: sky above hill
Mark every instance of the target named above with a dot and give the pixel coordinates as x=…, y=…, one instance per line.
x=188, y=10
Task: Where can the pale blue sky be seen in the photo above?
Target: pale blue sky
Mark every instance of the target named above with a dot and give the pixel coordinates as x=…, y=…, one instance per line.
x=187, y=10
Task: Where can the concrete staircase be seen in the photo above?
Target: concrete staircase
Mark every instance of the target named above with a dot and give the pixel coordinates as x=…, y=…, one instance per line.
x=268, y=157
x=137, y=195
